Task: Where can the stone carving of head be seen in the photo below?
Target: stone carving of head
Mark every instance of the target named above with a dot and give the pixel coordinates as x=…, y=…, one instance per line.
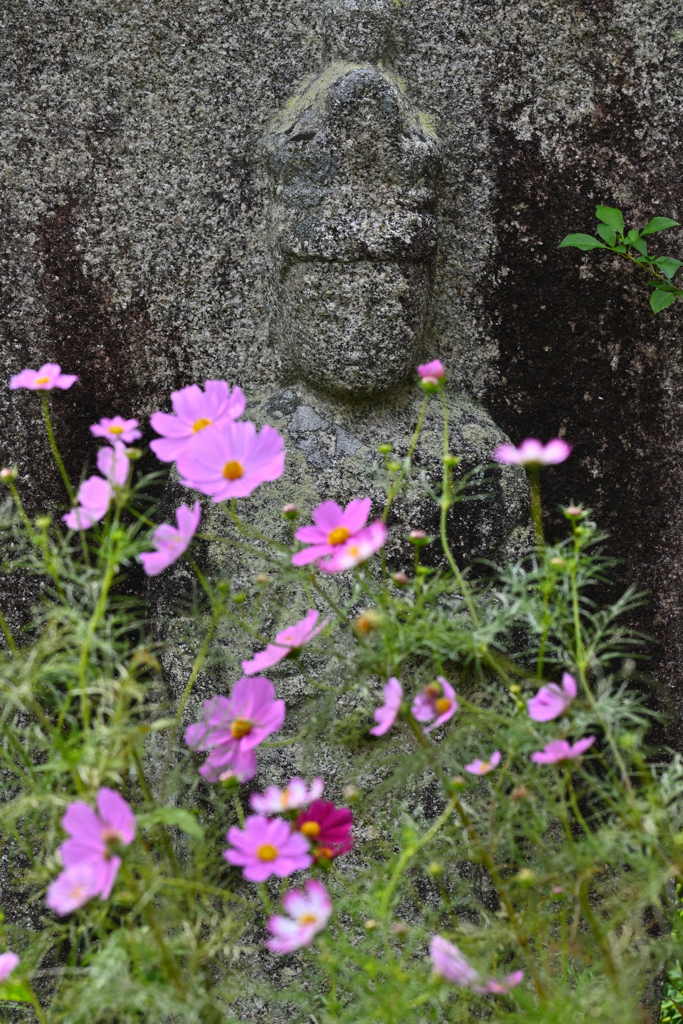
x=352, y=168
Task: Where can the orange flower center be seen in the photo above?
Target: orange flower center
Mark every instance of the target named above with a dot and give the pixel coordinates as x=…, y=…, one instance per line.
x=116, y=430
x=308, y=919
x=311, y=829
x=42, y=380
x=200, y=424
x=323, y=851
x=442, y=705
x=266, y=852
x=240, y=727
x=338, y=535
x=78, y=892
x=233, y=470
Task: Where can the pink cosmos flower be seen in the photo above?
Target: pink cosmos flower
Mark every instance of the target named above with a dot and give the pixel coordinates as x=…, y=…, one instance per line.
x=561, y=750
x=432, y=373
x=46, y=378
x=450, y=964
x=356, y=550
x=286, y=643
x=170, y=542
x=233, y=461
x=194, y=411
x=500, y=988
x=478, y=767
x=435, y=701
x=551, y=701
x=94, y=498
x=328, y=827
x=386, y=715
x=8, y=961
x=309, y=913
x=532, y=453
x=333, y=527
x=72, y=888
x=113, y=464
x=294, y=796
x=266, y=847
x=116, y=429
x=233, y=726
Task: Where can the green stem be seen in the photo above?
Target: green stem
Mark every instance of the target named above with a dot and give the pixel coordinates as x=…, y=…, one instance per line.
x=55, y=450
x=536, y=511
x=111, y=560
x=411, y=449
x=20, y=508
x=4, y=626
x=35, y=1003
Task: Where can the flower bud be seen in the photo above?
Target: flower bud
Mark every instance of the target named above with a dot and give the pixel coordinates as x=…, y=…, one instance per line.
x=400, y=579
x=351, y=794
x=8, y=474
x=368, y=621
x=451, y=460
x=42, y=522
x=290, y=511
x=434, y=869
x=262, y=578
x=133, y=454
x=558, y=562
x=525, y=877
x=240, y=597
x=521, y=793
x=458, y=784
x=384, y=449
x=574, y=512
x=371, y=924
x=418, y=538
x=393, y=466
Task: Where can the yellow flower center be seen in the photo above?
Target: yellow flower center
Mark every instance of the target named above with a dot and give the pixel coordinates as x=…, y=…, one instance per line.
x=42, y=380
x=442, y=705
x=284, y=798
x=240, y=727
x=338, y=535
x=266, y=852
x=311, y=829
x=200, y=424
x=116, y=430
x=308, y=919
x=233, y=470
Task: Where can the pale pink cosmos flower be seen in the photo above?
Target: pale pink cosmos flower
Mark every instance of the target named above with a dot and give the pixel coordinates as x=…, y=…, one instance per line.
x=532, y=453
x=234, y=725
x=431, y=373
x=551, y=701
x=562, y=750
x=437, y=700
x=113, y=463
x=287, y=642
x=232, y=461
x=309, y=913
x=46, y=378
x=194, y=410
x=116, y=429
x=386, y=715
x=94, y=498
x=72, y=888
x=478, y=767
x=267, y=846
x=8, y=961
x=333, y=527
x=170, y=542
x=356, y=550
x=449, y=963
x=492, y=986
x=293, y=797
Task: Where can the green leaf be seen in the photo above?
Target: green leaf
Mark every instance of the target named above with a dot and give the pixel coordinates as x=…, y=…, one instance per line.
x=15, y=991
x=609, y=215
x=659, y=224
x=660, y=299
x=668, y=265
x=174, y=816
x=608, y=233
x=584, y=242
x=639, y=245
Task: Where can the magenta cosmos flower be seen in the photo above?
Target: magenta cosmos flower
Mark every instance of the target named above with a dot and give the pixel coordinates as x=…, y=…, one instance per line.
x=8, y=961
x=361, y=547
x=450, y=964
x=436, y=701
x=94, y=837
x=478, y=767
x=233, y=461
x=386, y=715
x=333, y=527
x=551, y=701
x=194, y=410
x=292, y=798
x=288, y=642
x=171, y=543
x=309, y=913
x=46, y=378
x=116, y=429
x=266, y=847
x=233, y=726
x=328, y=827
x=562, y=750
x=431, y=373
x=532, y=453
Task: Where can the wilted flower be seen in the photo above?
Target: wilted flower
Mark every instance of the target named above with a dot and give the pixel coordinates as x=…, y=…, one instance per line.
x=8, y=961
x=232, y=461
x=333, y=527
x=170, y=542
x=532, y=453
x=267, y=846
x=361, y=547
x=286, y=643
x=452, y=965
x=293, y=797
x=478, y=767
x=500, y=988
x=551, y=701
x=437, y=700
x=328, y=827
x=116, y=429
x=46, y=378
x=386, y=715
x=194, y=411
x=562, y=750
x=309, y=913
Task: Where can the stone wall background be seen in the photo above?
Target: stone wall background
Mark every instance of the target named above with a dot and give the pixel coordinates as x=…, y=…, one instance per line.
x=132, y=227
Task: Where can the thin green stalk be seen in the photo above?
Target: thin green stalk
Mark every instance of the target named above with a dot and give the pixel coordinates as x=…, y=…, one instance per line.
x=411, y=450
x=100, y=608
x=55, y=449
x=250, y=531
x=7, y=633
x=20, y=508
x=536, y=510
x=35, y=1003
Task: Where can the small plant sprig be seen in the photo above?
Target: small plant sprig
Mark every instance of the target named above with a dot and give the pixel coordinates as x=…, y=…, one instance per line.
x=631, y=245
